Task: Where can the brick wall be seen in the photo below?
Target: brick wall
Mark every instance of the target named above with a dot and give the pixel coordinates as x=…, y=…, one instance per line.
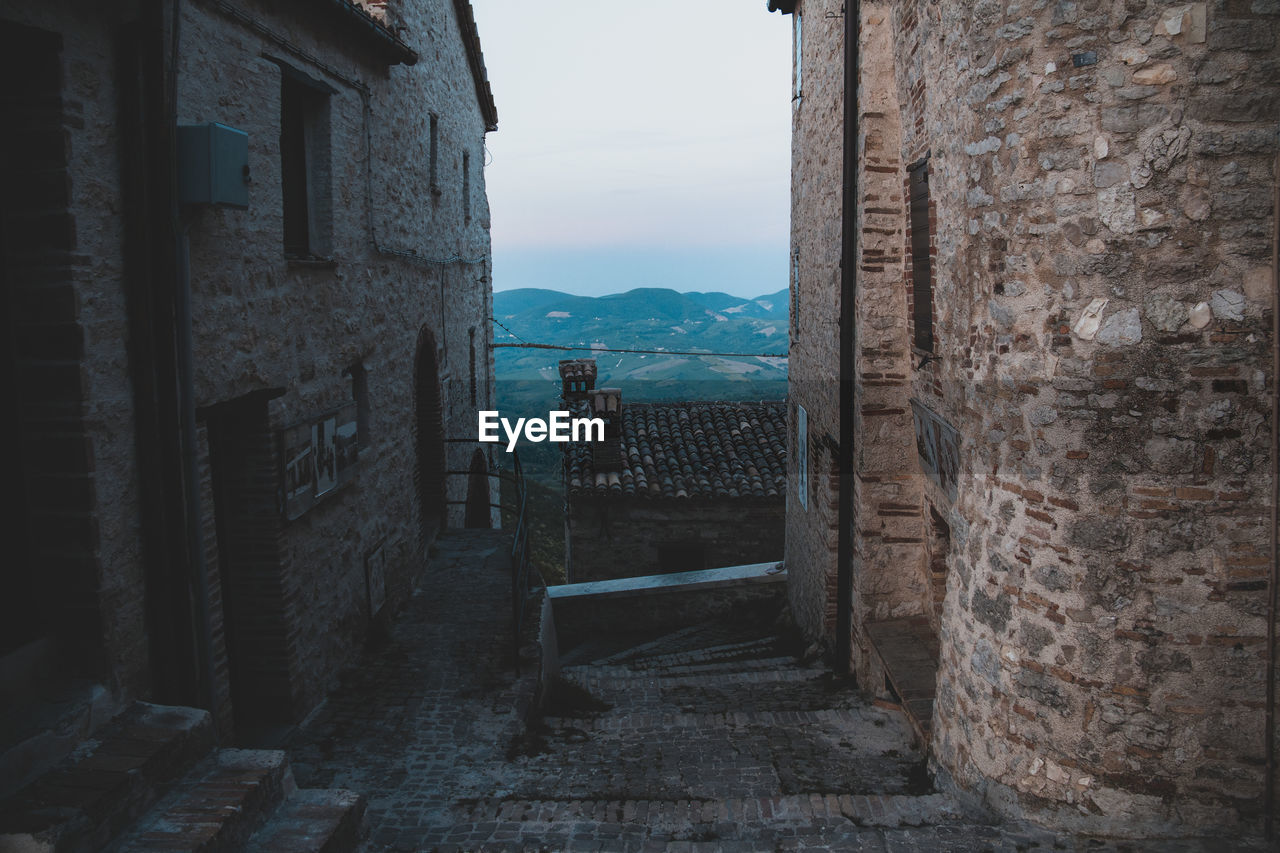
x=225, y=716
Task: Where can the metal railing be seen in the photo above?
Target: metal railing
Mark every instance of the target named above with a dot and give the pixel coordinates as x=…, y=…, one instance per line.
x=523, y=574
x=520, y=565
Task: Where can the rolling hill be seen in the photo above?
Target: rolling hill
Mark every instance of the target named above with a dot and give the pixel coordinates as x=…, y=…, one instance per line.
x=528, y=381
x=649, y=319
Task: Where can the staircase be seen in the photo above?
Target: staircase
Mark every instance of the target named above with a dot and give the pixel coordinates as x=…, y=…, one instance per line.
x=152, y=780
x=713, y=736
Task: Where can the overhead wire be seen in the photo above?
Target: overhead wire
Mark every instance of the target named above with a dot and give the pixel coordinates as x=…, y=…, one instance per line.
x=526, y=345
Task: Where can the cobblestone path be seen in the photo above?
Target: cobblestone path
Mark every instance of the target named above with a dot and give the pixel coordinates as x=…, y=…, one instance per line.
x=709, y=739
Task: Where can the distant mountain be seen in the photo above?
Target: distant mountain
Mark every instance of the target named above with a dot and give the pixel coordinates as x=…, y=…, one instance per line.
x=650, y=319
x=647, y=319
x=771, y=307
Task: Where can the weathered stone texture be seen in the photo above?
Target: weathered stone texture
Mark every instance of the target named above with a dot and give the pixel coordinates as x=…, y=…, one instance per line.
x=815, y=245
x=290, y=328
x=1102, y=179
x=267, y=322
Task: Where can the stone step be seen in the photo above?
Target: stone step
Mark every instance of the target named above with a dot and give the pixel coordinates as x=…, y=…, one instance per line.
x=841, y=718
x=219, y=807
x=313, y=821
x=631, y=680
x=726, y=819
x=692, y=667
x=656, y=654
x=107, y=782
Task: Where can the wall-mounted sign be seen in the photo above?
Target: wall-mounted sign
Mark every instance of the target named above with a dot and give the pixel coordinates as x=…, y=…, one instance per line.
x=375, y=576
x=323, y=433
x=346, y=445
x=319, y=455
x=299, y=471
x=938, y=444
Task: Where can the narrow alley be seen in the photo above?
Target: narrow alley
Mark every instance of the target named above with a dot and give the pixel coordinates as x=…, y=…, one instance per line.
x=711, y=738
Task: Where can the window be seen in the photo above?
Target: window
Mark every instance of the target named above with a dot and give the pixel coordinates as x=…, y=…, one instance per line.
x=304, y=165
x=802, y=455
x=797, y=24
x=435, y=154
x=360, y=393
x=472, y=333
x=921, y=254
x=466, y=186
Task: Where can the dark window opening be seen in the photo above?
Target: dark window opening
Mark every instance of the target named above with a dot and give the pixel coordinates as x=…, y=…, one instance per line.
x=472, y=333
x=304, y=166
x=921, y=258
x=435, y=154
x=360, y=394
x=478, y=513
x=466, y=186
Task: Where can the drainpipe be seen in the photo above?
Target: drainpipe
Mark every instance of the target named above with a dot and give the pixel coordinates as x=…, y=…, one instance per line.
x=1272, y=593
x=193, y=515
x=848, y=337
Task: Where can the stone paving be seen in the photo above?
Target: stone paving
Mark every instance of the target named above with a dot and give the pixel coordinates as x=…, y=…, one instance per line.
x=709, y=739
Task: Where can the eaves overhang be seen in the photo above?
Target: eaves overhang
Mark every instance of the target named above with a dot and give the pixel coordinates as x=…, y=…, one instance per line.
x=374, y=33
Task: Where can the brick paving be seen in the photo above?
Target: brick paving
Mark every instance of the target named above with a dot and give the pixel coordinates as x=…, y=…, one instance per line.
x=710, y=739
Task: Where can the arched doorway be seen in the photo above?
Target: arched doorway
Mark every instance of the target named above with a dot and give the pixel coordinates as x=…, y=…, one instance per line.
x=429, y=473
x=478, y=514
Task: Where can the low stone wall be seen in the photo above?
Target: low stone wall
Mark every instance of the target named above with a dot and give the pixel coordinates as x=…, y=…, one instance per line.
x=621, y=538
x=661, y=603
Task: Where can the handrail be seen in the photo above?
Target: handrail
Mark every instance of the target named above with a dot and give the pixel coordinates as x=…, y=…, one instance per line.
x=520, y=564
x=522, y=572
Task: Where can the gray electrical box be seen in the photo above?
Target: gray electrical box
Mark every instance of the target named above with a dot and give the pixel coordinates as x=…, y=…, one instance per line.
x=213, y=165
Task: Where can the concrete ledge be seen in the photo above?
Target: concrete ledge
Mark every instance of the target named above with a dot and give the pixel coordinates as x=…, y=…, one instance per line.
x=657, y=603
x=685, y=581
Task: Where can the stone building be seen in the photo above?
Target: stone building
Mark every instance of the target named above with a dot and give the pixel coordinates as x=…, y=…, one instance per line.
x=674, y=487
x=1060, y=286
x=247, y=299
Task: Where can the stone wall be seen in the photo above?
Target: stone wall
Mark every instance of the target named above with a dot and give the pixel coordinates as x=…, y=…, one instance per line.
x=79, y=445
x=815, y=305
x=264, y=321
x=1101, y=185
x=618, y=539
x=401, y=252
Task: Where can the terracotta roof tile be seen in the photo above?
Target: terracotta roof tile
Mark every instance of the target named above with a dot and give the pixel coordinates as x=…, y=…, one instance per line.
x=692, y=450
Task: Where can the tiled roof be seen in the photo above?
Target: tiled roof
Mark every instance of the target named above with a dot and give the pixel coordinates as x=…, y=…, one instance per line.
x=691, y=450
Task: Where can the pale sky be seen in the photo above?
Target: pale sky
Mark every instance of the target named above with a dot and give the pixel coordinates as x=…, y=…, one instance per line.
x=661, y=129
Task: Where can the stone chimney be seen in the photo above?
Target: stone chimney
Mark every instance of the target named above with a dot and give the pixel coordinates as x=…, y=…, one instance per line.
x=606, y=455
x=375, y=8
x=578, y=379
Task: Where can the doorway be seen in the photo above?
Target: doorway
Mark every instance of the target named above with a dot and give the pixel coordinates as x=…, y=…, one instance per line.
x=256, y=614
x=479, y=514
x=429, y=472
